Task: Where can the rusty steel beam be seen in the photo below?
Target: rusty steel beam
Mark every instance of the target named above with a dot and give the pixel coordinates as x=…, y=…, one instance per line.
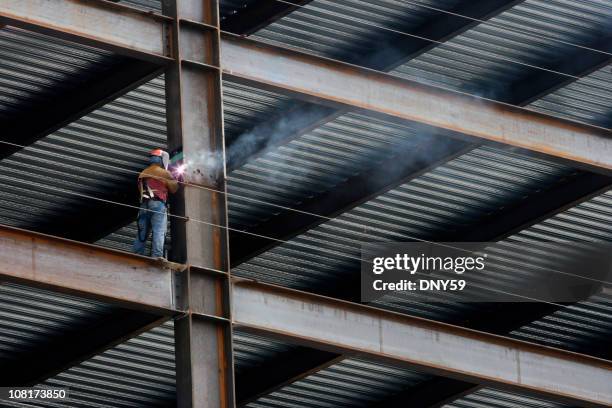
x=302, y=116
x=433, y=347
x=203, y=336
x=203, y=341
x=345, y=86
x=86, y=270
x=102, y=24
x=132, y=32
x=532, y=86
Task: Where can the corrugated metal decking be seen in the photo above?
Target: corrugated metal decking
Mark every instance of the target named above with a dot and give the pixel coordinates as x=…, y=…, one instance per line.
x=100, y=152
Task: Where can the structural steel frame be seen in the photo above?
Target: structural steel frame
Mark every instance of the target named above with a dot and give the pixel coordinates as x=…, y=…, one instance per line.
x=147, y=36
x=438, y=348
x=371, y=92
x=201, y=304
x=203, y=334
x=86, y=270
x=98, y=23
x=207, y=301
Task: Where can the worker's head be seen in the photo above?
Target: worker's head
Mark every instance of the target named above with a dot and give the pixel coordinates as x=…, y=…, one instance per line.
x=160, y=157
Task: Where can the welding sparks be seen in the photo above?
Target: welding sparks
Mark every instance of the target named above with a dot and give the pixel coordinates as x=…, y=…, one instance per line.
x=180, y=170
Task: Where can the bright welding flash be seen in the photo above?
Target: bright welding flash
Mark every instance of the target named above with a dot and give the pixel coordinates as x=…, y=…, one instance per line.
x=180, y=170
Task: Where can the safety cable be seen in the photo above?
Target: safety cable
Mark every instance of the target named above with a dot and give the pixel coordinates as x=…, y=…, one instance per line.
x=337, y=253
x=458, y=91
x=315, y=248
x=279, y=206
x=472, y=285
x=346, y=222
x=312, y=247
x=505, y=27
x=289, y=242
x=446, y=43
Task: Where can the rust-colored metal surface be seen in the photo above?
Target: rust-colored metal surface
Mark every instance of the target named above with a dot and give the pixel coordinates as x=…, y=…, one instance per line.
x=143, y=35
x=88, y=270
x=103, y=24
x=338, y=84
x=435, y=347
x=204, y=362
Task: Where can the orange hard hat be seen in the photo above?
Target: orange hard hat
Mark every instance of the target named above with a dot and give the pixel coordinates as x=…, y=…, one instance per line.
x=165, y=157
x=157, y=152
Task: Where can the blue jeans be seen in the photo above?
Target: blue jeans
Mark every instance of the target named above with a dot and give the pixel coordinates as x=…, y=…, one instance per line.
x=154, y=220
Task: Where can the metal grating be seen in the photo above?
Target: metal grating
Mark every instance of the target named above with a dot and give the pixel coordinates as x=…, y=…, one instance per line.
x=35, y=68
x=587, y=100
x=314, y=163
x=88, y=157
x=149, y=5
x=140, y=372
x=344, y=29
x=491, y=398
x=137, y=373
x=250, y=350
x=244, y=107
x=349, y=383
x=30, y=318
x=453, y=195
x=579, y=326
x=456, y=194
x=483, y=61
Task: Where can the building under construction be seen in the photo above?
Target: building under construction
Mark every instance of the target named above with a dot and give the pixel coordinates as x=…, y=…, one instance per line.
x=307, y=128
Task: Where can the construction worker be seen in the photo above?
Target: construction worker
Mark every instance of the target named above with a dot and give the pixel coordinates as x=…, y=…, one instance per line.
x=154, y=184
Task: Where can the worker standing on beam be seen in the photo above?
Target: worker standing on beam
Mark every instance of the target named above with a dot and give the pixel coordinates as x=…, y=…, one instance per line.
x=154, y=184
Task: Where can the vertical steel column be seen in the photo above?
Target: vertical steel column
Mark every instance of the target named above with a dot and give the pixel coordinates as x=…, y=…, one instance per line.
x=204, y=364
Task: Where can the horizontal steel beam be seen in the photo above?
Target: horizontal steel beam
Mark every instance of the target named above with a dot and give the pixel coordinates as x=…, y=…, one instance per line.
x=132, y=32
x=341, y=85
x=302, y=116
x=86, y=270
x=98, y=23
x=434, y=347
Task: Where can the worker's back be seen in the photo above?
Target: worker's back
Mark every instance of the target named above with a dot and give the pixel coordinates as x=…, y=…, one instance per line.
x=154, y=183
x=159, y=180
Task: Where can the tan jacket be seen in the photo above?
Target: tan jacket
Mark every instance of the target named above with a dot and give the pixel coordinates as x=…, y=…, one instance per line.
x=156, y=172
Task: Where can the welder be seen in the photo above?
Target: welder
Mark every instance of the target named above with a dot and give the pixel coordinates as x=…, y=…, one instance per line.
x=154, y=184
